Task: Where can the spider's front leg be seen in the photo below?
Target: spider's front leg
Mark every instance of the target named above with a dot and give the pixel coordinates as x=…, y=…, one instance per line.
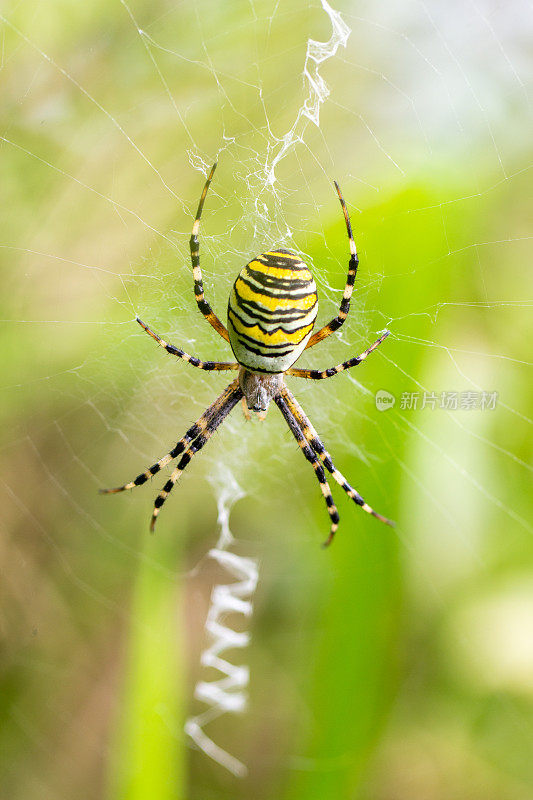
x=311, y=436
x=190, y=443
x=309, y=454
x=231, y=397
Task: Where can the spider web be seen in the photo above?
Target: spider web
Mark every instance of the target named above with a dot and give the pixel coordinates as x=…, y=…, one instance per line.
x=110, y=128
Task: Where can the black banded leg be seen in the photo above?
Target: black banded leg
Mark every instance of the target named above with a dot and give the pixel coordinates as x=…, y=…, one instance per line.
x=312, y=437
x=195, y=430
x=194, y=244
x=176, y=351
x=317, y=374
x=222, y=412
x=308, y=452
x=344, y=309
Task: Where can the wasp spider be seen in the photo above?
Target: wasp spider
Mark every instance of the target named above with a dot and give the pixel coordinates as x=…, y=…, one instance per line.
x=271, y=312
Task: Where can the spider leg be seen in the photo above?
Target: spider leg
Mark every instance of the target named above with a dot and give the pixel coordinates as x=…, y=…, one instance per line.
x=312, y=437
x=199, y=427
x=217, y=418
x=344, y=309
x=308, y=452
x=245, y=411
x=194, y=244
x=317, y=374
x=176, y=351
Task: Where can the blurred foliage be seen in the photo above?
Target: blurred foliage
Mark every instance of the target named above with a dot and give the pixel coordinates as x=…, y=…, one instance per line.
x=396, y=665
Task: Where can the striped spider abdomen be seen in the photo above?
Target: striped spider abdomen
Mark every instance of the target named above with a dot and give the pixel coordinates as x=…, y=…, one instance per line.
x=271, y=311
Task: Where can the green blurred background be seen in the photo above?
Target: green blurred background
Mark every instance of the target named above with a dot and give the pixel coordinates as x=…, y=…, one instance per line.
x=397, y=665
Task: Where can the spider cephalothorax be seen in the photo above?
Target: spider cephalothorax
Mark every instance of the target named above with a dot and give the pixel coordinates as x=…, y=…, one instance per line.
x=259, y=388
x=271, y=313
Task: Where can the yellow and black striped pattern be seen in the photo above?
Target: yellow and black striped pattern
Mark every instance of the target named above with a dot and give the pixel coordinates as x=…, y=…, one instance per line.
x=194, y=244
x=306, y=435
x=271, y=311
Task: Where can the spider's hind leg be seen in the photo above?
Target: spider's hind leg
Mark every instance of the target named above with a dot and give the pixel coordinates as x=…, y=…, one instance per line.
x=194, y=244
x=344, y=309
